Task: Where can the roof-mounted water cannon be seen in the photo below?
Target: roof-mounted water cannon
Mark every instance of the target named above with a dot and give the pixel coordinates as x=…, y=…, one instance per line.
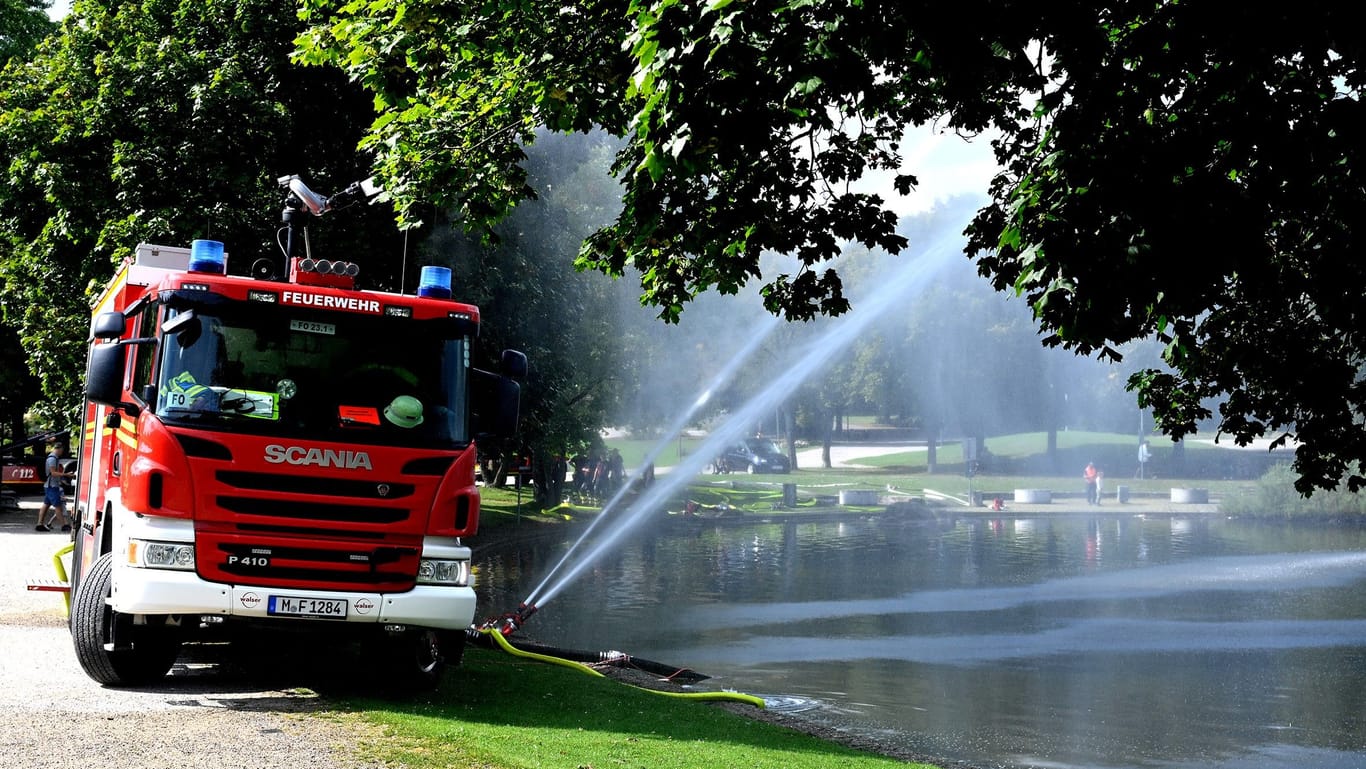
x=301, y=198
x=300, y=201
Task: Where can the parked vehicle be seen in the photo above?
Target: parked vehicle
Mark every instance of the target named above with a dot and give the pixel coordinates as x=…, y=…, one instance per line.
x=754, y=455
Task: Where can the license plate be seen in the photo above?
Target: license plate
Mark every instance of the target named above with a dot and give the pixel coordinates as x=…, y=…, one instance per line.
x=291, y=606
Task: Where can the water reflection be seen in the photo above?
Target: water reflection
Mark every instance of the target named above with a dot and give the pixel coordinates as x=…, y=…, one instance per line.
x=1111, y=641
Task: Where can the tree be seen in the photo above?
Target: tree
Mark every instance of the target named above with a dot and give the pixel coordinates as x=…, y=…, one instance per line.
x=18, y=389
x=1174, y=169
x=161, y=122
x=1191, y=173
x=23, y=23
x=562, y=319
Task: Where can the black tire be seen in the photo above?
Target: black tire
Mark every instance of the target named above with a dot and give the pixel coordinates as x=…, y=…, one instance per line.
x=416, y=659
x=151, y=653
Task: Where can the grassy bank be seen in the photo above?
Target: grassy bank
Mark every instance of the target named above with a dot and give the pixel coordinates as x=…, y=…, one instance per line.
x=1012, y=462
x=500, y=712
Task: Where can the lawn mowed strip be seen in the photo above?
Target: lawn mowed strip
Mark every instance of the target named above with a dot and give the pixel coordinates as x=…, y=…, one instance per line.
x=501, y=712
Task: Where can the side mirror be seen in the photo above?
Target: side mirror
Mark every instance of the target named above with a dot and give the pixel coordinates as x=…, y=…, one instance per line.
x=494, y=404
x=104, y=379
x=513, y=364
x=108, y=325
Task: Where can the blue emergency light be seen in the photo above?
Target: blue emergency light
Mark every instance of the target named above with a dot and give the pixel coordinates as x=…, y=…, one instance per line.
x=435, y=282
x=207, y=256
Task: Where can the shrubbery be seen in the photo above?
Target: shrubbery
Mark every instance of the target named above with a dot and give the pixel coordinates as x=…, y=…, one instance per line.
x=1274, y=496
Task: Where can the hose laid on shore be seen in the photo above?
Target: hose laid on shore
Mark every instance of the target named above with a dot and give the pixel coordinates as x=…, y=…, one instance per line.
x=597, y=659
x=506, y=646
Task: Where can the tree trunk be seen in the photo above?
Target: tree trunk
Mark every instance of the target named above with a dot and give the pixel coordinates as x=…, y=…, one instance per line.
x=542, y=464
x=827, y=436
x=931, y=448
x=790, y=429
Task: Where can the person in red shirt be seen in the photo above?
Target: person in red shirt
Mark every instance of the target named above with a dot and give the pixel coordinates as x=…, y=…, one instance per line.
x=1090, y=475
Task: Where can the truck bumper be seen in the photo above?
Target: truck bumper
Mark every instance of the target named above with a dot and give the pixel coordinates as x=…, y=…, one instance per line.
x=158, y=591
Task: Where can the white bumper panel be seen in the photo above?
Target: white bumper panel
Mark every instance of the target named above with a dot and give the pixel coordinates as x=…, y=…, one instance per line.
x=159, y=591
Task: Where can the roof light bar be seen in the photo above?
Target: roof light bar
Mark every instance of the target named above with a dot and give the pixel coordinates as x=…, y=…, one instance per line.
x=435, y=282
x=207, y=256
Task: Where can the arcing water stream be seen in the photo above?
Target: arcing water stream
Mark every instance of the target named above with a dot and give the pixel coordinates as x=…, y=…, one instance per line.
x=905, y=283
x=721, y=379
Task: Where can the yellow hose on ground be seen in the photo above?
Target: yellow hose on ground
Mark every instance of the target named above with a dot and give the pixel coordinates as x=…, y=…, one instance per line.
x=748, y=699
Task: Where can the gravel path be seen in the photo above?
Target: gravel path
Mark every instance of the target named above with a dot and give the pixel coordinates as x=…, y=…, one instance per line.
x=52, y=716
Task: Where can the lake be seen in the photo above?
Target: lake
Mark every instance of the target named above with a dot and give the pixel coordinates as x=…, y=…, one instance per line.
x=1052, y=641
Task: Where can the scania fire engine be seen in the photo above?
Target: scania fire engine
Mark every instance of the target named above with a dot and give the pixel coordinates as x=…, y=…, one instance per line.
x=278, y=452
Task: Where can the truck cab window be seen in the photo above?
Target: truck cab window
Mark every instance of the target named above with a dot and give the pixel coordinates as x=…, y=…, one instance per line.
x=144, y=355
x=354, y=378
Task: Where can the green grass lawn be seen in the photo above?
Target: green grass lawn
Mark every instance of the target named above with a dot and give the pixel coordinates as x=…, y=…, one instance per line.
x=1013, y=461
x=1021, y=460
x=501, y=712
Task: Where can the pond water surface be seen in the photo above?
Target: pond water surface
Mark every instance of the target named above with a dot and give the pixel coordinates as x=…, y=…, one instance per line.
x=1118, y=641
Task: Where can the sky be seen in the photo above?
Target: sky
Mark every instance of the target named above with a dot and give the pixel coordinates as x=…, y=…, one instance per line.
x=945, y=164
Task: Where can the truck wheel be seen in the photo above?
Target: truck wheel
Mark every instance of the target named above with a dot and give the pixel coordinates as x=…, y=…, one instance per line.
x=415, y=659
x=92, y=626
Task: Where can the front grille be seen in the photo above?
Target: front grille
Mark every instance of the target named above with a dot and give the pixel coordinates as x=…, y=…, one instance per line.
x=312, y=511
x=306, y=531
x=304, y=484
x=307, y=578
x=319, y=566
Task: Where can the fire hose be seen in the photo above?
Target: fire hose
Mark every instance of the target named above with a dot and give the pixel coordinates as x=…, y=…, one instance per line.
x=511, y=622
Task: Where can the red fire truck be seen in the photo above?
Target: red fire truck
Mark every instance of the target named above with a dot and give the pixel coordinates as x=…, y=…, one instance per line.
x=278, y=452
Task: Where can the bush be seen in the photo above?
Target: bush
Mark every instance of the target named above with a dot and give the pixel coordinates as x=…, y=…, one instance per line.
x=1274, y=496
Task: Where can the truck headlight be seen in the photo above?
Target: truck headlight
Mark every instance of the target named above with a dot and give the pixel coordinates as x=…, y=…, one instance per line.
x=161, y=555
x=431, y=571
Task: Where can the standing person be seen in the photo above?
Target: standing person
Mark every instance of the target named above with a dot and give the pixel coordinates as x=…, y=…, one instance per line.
x=1143, y=456
x=1090, y=475
x=52, y=490
x=616, y=471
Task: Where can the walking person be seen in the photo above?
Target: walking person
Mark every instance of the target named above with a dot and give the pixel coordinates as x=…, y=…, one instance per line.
x=53, y=496
x=1144, y=454
x=1091, y=475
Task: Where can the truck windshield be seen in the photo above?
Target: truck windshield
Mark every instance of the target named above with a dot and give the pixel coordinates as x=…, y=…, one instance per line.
x=337, y=376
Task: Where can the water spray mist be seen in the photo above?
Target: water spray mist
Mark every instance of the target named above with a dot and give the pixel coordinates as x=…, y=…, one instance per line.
x=912, y=278
x=681, y=423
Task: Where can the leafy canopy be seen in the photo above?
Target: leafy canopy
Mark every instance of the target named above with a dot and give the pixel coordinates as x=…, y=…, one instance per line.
x=1178, y=169
x=23, y=23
